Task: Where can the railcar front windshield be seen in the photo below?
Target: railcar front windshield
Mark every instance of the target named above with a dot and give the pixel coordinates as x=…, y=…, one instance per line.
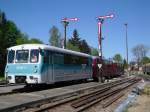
x=11, y=55
x=34, y=56
x=22, y=56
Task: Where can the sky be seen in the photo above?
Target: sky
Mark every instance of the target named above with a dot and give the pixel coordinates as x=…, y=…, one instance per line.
x=36, y=17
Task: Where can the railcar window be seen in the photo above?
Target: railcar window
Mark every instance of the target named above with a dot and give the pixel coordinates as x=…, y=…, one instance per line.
x=85, y=61
x=67, y=58
x=11, y=55
x=72, y=59
x=50, y=57
x=34, y=56
x=22, y=56
x=58, y=58
x=75, y=60
x=46, y=56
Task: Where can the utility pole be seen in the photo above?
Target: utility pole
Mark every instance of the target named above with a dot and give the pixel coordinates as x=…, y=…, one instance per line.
x=65, y=22
x=126, y=26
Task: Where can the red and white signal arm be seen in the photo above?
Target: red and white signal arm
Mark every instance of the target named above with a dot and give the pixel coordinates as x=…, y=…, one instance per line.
x=105, y=17
x=69, y=19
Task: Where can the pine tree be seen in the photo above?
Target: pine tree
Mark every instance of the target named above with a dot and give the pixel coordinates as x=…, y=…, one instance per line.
x=75, y=43
x=94, y=52
x=75, y=40
x=84, y=47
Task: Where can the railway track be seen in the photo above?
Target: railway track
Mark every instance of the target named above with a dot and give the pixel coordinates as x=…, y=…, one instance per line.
x=7, y=85
x=45, y=87
x=2, y=82
x=108, y=93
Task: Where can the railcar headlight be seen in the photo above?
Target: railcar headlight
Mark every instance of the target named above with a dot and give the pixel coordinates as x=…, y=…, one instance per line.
x=35, y=69
x=9, y=77
x=31, y=77
x=36, y=80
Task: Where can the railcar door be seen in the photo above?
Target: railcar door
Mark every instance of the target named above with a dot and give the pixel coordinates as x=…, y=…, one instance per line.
x=48, y=67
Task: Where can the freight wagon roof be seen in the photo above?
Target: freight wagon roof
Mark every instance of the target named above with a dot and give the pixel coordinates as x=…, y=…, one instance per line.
x=94, y=57
x=48, y=47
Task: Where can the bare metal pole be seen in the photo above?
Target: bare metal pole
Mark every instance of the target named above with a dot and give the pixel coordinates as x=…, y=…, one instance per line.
x=100, y=38
x=65, y=23
x=100, y=22
x=126, y=25
x=65, y=28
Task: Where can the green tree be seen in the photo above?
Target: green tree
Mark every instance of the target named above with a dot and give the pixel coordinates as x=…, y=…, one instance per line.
x=35, y=41
x=54, y=39
x=117, y=58
x=84, y=47
x=75, y=40
x=2, y=18
x=125, y=64
x=72, y=47
x=94, y=52
x=75, y=43
x=145, y=60
x=8, y=35
x=22, y=40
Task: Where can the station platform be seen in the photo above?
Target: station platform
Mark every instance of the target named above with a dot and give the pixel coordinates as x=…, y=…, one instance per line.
x=9, y=88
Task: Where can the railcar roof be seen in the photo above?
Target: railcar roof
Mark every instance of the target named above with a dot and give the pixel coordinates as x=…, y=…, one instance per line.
x=48, y=47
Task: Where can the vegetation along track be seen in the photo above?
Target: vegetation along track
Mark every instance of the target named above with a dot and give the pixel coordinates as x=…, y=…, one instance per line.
x=107, y=92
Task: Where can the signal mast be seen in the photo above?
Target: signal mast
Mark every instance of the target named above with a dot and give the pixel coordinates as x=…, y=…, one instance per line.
x=100, y=20
x=65, y=22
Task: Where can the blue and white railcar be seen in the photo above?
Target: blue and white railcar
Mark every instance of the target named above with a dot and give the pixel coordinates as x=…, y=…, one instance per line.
x=38, y=63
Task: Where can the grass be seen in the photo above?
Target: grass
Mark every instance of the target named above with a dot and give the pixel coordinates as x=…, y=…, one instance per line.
x=145, y=75
x=2, y=78
x=147, y=89
x=126, y=110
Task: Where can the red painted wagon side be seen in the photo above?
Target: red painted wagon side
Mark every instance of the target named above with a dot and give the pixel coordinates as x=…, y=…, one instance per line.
x=109, y=69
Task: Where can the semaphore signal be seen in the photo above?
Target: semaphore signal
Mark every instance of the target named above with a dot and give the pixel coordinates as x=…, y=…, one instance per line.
x=100, y=20
x=65, y=22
